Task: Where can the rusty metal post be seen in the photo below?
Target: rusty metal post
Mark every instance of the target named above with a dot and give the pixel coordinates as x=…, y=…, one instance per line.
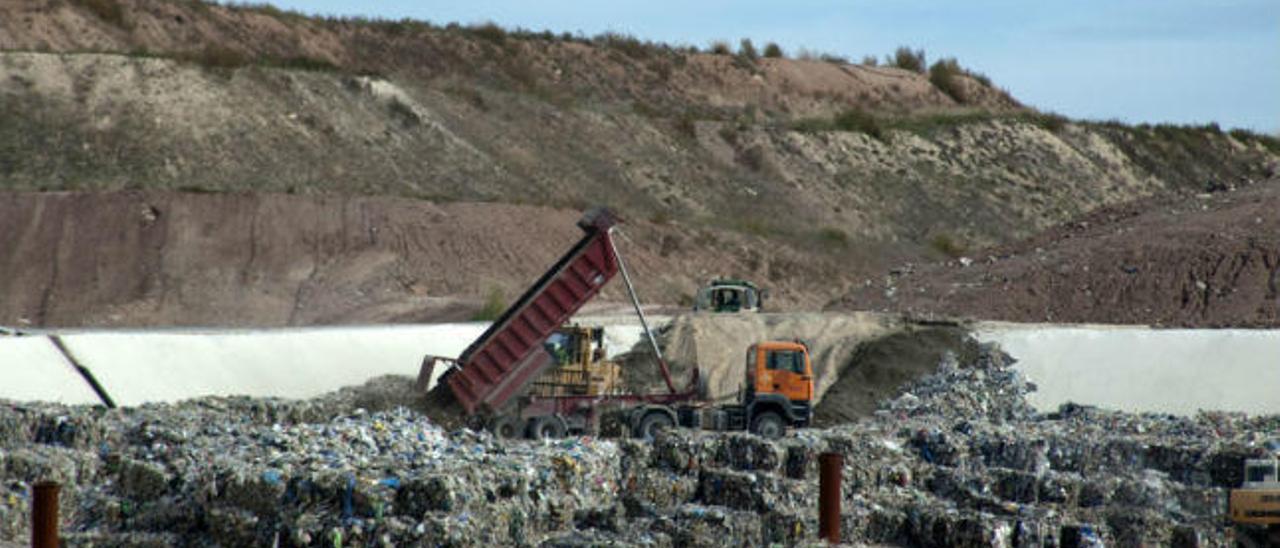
x=44, y=515
x=829, y=479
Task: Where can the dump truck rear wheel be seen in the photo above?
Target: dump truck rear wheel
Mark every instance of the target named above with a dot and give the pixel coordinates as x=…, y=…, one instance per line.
x=768, y=424
x=652, y=423
x=506, y=427
x=547, y=427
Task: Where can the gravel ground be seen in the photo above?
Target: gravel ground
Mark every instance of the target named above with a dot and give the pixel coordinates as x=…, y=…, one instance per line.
x=956, y=459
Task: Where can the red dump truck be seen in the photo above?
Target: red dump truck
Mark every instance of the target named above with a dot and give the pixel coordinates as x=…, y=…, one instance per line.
x=491, y=378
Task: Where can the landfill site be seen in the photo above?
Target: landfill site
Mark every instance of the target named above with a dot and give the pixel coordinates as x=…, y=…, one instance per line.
x=940, y=442
x=943, y=440
x=276, y=279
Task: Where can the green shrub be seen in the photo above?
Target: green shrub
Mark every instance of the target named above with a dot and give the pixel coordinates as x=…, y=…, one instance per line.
x=687, y=125
x=720, y=47
x=216, y=57
x=833, y=236
x=489, y=32
x=944, y=76
x=856, y=119
x=870, y=61
x=494, y=305
x=1049, y=121
x=305, y=63
x=469, y=94
x=756, y=228
x=773, y=51
x=1267, y=141
x=811, y=125
x=729, y=134
x=747, y=50
x=906, y=59
x=1242, y=135
x=834, y=59
x=629, y=45
x=947, y=245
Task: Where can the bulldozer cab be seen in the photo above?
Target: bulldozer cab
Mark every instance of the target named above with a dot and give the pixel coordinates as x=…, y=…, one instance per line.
x=729, y=295
x=1255, y=505
x=1261, y=473
x=780, y=368
x=580, y=368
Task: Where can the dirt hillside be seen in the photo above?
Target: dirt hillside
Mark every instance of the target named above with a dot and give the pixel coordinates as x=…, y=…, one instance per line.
x=558, y=66
x=807, y=176
x=1196, y=260
x=166, y=258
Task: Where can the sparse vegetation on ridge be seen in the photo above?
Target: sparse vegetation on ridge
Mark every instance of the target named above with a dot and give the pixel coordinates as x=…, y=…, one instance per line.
x=907, y=59
x=877, y=126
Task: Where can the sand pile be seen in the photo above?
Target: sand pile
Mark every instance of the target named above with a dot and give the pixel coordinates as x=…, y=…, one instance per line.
x=879, y=369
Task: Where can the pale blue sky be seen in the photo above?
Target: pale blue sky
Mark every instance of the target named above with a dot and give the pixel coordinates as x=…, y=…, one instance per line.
x=1182, y=61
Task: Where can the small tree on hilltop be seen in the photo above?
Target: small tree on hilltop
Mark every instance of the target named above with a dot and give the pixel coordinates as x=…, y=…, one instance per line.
x=906, y=59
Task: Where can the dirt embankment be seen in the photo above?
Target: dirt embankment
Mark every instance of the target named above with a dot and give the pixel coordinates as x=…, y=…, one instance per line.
x=164, y=258
x=879, y=369
x=1207, y=260
x=103, y=122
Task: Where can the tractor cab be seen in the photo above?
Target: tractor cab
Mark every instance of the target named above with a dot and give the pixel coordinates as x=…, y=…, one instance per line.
x=729, y=295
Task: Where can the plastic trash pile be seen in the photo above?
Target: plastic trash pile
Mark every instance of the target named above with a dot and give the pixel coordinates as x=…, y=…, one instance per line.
x=958, y=459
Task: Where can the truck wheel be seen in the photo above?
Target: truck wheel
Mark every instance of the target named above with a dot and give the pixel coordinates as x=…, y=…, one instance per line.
x=652, y=423
x=547, y=427
x=506, y=427
x=768, y=424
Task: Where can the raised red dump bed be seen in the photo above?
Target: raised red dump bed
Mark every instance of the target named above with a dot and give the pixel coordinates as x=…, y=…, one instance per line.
x=509, y=355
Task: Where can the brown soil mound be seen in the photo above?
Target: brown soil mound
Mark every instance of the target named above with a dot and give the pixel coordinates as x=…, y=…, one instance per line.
x=880, y=367
x=1193, y=260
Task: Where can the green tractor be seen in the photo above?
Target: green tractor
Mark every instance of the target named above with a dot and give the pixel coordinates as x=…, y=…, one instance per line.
x=729, y=295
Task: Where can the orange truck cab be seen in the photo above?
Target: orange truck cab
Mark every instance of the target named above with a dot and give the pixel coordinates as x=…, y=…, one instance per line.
x=779, y=388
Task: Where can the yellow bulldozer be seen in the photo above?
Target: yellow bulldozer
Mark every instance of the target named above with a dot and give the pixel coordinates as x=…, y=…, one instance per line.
x=1255, y=506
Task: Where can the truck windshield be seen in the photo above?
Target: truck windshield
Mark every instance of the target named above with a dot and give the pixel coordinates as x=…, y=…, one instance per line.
x=786, y=360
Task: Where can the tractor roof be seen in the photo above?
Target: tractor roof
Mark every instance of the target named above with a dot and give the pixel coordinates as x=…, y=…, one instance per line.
x=718, y=282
